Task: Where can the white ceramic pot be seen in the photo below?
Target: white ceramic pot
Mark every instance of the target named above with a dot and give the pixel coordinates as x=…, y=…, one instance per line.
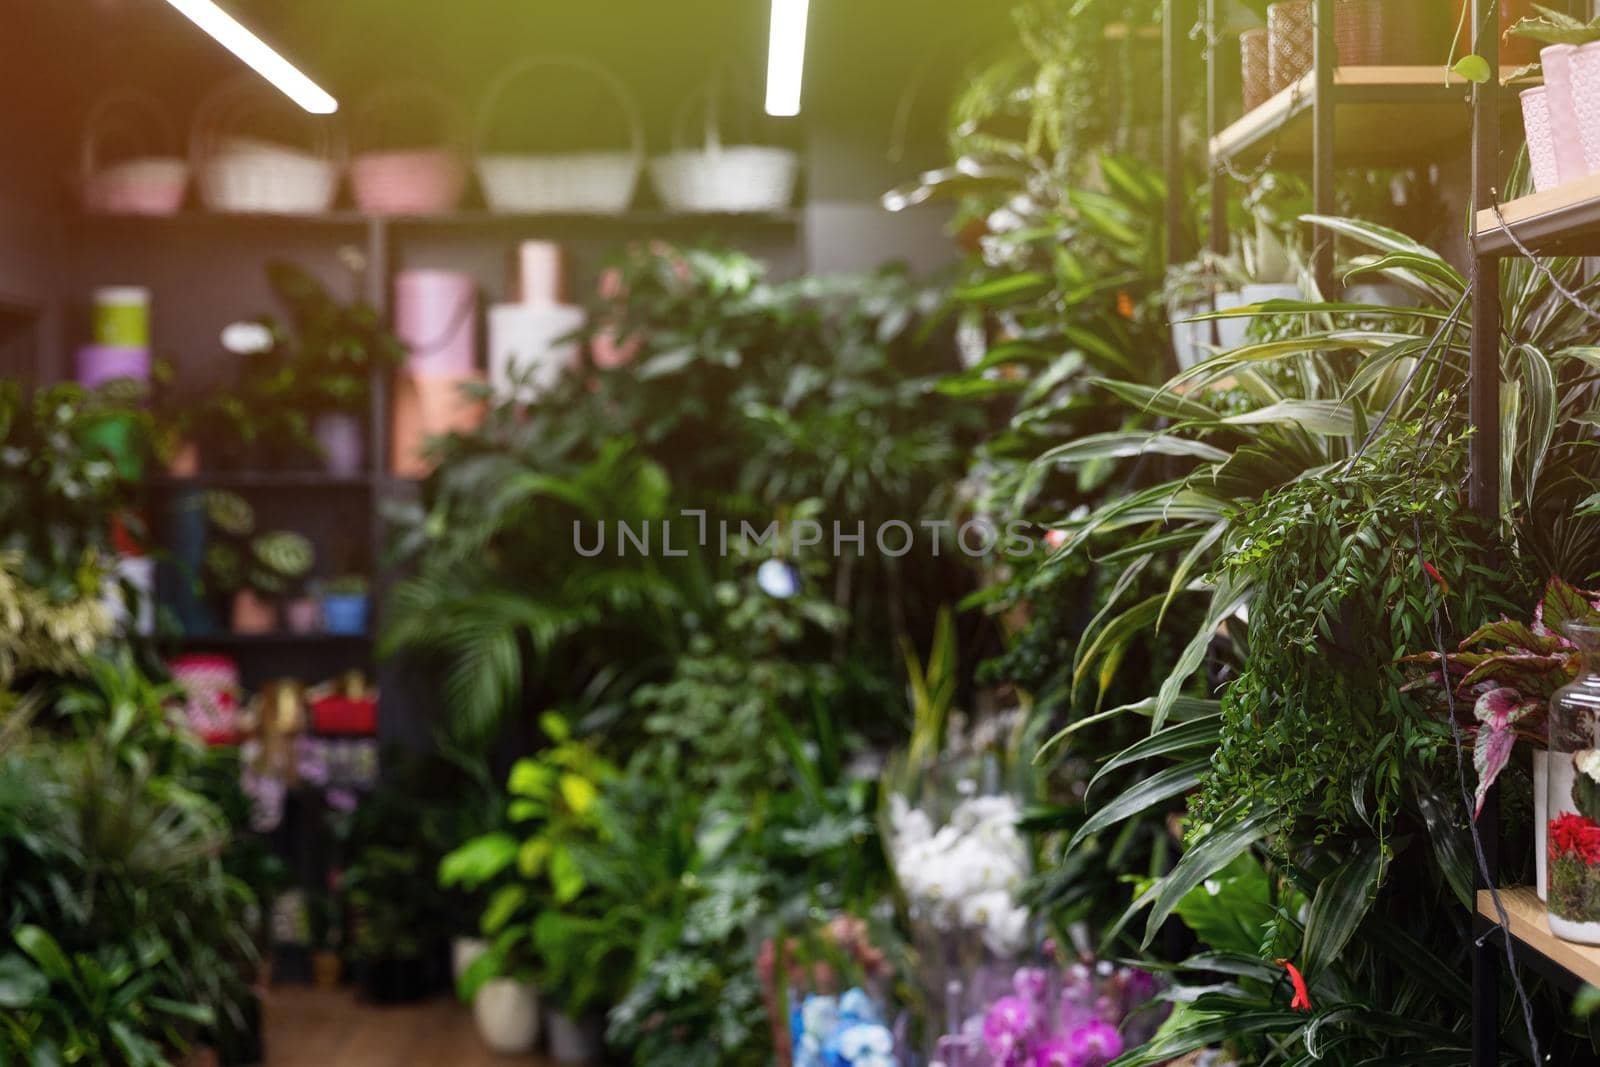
x=464, y=952
x=1541, y=823
x=573, y=1041
x=527, y=347
x=1189, y=338
x=1261, y=292
x=1231, y=333
x=507, y=1013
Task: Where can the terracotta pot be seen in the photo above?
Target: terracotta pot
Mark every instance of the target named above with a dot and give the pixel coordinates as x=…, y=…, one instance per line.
x=426, y=408
x=253, y=613
x=185, y=462
x=1255, y=68
x=1291, y=41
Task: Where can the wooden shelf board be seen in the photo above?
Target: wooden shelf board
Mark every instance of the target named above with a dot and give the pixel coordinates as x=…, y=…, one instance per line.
x=277, y=639
x=469, y=219
x=1529, y=928
x=1559, y=217
x=279, y=480
x=1382, y=114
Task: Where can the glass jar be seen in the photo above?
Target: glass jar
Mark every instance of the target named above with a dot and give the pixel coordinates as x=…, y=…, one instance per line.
x=1573, y=797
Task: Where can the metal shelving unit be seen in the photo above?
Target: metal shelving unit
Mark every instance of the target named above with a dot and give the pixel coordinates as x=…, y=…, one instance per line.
x=1567, y=220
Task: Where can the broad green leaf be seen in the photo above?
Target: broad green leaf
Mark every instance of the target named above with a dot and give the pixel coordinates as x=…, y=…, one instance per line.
x=566, y=879
x=1235, y=831
x=1341, y=902
x=21, y=983
x=1143, y=795
x=477, y=861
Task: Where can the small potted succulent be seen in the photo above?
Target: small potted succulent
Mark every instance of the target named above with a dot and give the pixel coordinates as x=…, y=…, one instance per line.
x=346, y=605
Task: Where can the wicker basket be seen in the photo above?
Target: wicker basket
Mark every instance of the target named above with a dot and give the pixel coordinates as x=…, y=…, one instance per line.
x=1291, y=39
x=718, y=178
x=243, y=174
x=150, y=181
x=575, y=183
x=1254, y=74
x=424, y=180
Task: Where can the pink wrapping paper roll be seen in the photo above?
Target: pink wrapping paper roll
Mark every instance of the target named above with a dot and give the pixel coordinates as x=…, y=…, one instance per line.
x=539, y=272
x=98, y=364
x=436, y=317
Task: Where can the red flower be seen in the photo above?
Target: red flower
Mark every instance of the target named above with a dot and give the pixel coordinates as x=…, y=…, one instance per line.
x=1433, y=572
x=1572, y=834
x=1302, y=996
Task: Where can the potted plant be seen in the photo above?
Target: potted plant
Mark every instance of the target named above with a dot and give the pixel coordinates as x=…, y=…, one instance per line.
x=556, y=803
x=255, y=571
x=1504, y=677
x=346, y=605
x=332, y=351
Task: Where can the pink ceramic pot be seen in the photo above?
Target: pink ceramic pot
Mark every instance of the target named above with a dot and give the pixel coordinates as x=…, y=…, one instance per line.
x=1571, y=164
x=1541, y=141
x=1583, y=68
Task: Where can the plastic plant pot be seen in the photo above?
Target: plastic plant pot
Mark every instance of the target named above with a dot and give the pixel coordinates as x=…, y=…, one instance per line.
x=345, y=614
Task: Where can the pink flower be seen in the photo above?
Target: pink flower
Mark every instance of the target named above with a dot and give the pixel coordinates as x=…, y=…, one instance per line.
x=1056, y=1052
x=1096, y=1044
x=1007, y=1027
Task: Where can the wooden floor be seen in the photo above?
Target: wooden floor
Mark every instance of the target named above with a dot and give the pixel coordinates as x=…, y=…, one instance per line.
x=309, y=1028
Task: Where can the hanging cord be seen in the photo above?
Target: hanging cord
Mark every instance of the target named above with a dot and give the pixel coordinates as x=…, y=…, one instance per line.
x=1472, y=825
x=1434, y=349
x=1567, y=294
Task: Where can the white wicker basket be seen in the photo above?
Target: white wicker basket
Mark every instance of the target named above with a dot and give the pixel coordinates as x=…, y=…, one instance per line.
x=244, y=174
x=150, y=181
x=579, y=183
x=719, y=178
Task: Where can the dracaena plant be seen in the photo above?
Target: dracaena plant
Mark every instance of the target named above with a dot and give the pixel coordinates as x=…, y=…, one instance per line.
x=1298, y=507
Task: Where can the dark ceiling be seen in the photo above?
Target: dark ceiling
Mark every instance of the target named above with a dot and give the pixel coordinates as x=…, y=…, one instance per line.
x=864, y=56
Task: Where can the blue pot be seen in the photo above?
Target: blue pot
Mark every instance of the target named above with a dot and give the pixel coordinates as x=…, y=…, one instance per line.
x=344, y=614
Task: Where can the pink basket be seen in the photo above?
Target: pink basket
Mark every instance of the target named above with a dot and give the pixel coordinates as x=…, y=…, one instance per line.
x=153, y=178
x=424, y=181
x=426, y=178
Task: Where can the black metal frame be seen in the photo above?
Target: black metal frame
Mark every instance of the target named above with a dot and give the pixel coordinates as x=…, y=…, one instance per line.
x=1325, y=97
x=1484, y=366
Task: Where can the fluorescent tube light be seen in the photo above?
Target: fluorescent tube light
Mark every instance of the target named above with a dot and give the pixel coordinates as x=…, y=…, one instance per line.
x=786, y=56
x=232, y=35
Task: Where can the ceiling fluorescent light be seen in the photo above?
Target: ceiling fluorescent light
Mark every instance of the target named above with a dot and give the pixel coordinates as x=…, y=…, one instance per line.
x=786, y=56
x=232, y=35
